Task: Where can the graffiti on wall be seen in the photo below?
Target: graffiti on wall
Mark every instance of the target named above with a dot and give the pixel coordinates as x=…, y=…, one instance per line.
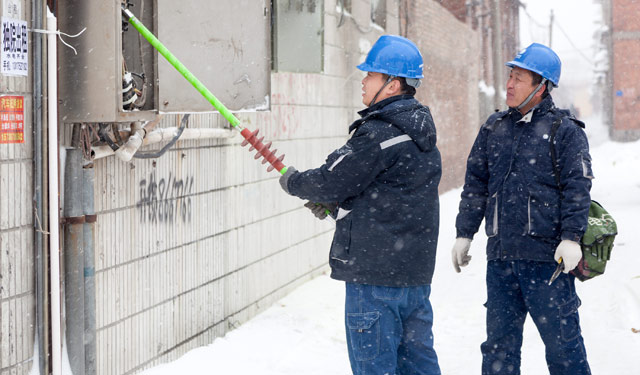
x=167, y=200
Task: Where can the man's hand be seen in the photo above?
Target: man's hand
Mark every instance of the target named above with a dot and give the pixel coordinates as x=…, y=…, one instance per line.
x=460, y=253
x=570, y=252
x=284, y=179
x=319, y=210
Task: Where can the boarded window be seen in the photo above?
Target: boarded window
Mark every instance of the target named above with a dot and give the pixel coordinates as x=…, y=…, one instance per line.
x=298, y=35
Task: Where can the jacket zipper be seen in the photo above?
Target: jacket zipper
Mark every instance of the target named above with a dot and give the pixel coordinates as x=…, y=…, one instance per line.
x=495, y=215
x=529, y=229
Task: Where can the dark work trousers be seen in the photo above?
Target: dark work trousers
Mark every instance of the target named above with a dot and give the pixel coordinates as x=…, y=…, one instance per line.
x=515, y=288
x=389, y=330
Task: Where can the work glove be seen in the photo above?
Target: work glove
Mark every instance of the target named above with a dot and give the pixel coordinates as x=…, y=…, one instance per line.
x=319, y=210
x=284, y=179
x=460, y=253
x=570, y=252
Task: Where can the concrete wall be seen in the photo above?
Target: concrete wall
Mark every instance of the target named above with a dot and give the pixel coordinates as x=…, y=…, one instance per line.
x=626, y=70
x=195, y=243
x=17, y=287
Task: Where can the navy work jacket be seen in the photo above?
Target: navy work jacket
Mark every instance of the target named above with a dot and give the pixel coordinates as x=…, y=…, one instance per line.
x=385, y=179
x=510, y=183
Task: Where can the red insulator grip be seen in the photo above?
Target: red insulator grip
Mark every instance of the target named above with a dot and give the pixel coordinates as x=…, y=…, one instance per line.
x=263, y=150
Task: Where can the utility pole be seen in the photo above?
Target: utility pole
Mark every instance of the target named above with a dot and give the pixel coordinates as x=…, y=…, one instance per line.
x=550, y=28
x=496, y=26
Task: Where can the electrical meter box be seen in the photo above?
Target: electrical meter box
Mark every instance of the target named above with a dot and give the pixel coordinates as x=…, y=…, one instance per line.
x=115, y=75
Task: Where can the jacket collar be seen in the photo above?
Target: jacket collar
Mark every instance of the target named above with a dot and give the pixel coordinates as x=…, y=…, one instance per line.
x=381, y=104
x=377, y=108
x=542, y=108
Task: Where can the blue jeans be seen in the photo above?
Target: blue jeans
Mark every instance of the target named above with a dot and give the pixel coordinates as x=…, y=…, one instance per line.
x=516, y=288
x=389, y=330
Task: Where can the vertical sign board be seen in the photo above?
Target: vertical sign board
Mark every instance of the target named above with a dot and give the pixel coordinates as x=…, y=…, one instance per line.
x=11, y=119
x=14, y=54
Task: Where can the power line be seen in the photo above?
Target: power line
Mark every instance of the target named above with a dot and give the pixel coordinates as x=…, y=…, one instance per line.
x=524, y=9
x=556, y=23
x=573, y=45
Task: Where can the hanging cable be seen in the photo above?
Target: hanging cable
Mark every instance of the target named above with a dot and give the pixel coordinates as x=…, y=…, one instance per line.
x=573, y=45
x=341, y=20
x=60, y=34
x=153, y=155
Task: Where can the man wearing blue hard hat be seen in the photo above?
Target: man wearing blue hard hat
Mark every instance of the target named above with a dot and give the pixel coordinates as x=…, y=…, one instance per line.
x=529, y=176
x=381, y=188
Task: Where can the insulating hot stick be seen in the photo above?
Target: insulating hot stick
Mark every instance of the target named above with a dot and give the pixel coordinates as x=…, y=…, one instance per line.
x=249, y=137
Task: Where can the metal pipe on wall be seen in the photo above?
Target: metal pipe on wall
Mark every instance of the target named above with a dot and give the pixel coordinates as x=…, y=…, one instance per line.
x=166, y=134
x=40, y=258
x=54, y=234
x=89, y=227
x=74, y=293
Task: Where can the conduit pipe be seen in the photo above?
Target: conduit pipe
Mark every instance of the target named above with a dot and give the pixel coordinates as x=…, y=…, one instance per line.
x=74, y=260
x=38, y=191
x=165, y=135
x=126, y=152
x=88, y=230
x=54, y=234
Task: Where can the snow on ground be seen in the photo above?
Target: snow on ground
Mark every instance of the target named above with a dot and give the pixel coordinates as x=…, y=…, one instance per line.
x=304, y=333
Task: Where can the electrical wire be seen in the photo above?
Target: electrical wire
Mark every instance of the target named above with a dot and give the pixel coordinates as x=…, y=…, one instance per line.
x=573, y=45
x=143, y=97
x=60, y=34
x=343, y=15
x=530, y=17
x=341, y=20
x=153, y=155
x=556, y=23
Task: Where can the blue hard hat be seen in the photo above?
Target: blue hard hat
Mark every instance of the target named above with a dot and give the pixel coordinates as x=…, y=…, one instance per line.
x=539, y=59
x=394, y=55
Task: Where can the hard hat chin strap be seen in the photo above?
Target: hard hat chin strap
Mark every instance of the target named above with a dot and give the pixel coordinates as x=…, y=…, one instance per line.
x=528, y=99
x=373, y=101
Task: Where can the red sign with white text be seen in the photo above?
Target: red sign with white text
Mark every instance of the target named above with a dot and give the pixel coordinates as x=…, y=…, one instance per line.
x=11, y=119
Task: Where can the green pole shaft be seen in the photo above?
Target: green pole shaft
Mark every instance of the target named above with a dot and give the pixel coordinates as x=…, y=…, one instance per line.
x=233, y=120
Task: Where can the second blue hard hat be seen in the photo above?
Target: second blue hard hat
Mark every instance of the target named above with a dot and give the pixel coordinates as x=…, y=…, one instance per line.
x=539, y=59
x=394, y=55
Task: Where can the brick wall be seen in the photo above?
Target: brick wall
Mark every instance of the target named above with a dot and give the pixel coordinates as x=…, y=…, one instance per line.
x=450, y=88
x=626, y=70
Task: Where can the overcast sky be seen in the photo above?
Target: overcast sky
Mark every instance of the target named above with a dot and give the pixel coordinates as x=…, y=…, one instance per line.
x=578, y=19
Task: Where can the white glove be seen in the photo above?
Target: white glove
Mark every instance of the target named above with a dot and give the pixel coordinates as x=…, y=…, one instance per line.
x=460, y=253
x=570, y=253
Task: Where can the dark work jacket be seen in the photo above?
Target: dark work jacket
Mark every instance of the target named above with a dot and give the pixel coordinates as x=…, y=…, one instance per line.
x=385, y=179
x=511, y=184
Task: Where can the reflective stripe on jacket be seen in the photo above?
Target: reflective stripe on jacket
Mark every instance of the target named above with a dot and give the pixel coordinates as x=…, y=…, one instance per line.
x=385, y=179
x=510, y=183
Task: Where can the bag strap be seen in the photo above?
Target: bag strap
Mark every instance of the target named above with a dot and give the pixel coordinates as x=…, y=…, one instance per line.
x=554, y=159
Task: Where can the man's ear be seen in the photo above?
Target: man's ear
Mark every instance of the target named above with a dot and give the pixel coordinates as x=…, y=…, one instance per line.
x=394, y=87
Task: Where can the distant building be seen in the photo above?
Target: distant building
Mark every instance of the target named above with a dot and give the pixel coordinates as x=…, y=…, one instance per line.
x=460, y=44
x=621, y=81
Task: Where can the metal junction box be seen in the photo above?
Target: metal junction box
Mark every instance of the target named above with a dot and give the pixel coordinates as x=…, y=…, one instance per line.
x=117, y=76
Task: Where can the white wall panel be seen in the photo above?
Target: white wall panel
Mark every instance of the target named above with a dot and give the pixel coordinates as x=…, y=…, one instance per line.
x=196, y=242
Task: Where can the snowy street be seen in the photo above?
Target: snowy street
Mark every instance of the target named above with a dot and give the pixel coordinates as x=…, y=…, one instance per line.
x=304, y=333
